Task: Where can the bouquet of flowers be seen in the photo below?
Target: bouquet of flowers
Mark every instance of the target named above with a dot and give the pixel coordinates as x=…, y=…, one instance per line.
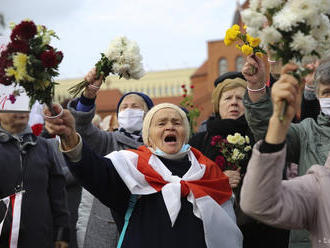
x=121, y=58
x=188, y=105
x=295, y=31
x=233, y=150
x=30, y=62
x=250, y=44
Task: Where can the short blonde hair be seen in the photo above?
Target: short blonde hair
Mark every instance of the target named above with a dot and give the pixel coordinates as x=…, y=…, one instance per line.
x=224, y=86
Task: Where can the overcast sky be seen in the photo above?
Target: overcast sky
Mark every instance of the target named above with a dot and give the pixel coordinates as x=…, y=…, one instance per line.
x=172, y=34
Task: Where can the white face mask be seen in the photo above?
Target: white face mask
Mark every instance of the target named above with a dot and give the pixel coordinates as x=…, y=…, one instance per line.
x=325, y=105
x=131, y=119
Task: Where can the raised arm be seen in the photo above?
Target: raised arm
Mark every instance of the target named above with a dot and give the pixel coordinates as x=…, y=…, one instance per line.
x=288, y=204
x=96, y=173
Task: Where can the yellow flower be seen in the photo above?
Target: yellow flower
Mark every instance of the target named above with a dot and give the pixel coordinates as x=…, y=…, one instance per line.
x=45, y=39
x=247, y=50
x=247, y=139
x=46, y=83
x=231, y=35
x=245, y=27
x=254, y=42
x=20, y=61
x=11, y=72
x=40, y=28
x=235, y=27
x=259, y=54
x=247, y=148
x=12, y=25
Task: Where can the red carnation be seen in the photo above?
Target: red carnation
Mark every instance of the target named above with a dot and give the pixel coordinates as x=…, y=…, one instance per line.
x=12, y=98
x=183, y=86
x=220, y=161
x=49, y=59
x=59, y=56
x=25, y=31
x=191, y=86
x=5, y=62
x=184, y=95
x=19, y=46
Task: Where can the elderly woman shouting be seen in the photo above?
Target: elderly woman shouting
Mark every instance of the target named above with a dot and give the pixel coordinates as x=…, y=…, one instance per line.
x=183, y=198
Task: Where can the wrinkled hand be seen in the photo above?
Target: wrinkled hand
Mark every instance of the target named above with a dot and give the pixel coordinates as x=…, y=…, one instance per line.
x=63, y=126
x=94, y=84
x=234, y=177
x=61, y=244
x=309, y=79
x=254, y=71
x=287, y=88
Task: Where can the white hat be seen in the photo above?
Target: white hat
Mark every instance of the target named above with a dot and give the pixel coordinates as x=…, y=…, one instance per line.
x=150, y=114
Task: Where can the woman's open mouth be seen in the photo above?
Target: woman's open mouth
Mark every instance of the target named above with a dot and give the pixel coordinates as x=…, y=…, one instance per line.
x=170, y=139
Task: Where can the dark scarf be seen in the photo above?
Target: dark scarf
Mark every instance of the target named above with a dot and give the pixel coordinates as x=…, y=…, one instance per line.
x=224, y=127
x=136, y=135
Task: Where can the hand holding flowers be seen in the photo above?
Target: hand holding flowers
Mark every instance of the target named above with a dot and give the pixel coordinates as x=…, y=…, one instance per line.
x=121, y=58
x=294, y=31
x=29, y=61
x=250, y=43
x=233, y=150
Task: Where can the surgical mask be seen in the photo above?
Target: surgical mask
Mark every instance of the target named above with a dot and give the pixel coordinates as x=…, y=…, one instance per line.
x=325, y=105
x=180, y=154
x=131, y=119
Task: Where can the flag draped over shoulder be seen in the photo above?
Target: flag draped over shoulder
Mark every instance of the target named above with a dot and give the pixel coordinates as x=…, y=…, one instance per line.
x=204, y=185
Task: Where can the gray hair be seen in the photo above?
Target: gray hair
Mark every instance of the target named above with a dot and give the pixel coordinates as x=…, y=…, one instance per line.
x=322, y=75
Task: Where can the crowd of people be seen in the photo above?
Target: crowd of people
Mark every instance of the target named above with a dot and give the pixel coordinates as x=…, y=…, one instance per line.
x=151, y=183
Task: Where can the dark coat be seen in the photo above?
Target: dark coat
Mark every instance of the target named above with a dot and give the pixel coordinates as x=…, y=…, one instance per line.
x=149, y=225
x=44, y=216
x=255, y=233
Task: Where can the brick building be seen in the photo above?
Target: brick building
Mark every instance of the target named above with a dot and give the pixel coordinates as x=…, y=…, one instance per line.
x=220, y=59
x=165, y=86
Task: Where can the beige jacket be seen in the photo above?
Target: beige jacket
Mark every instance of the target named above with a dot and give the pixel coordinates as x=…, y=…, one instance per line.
x=300, y=203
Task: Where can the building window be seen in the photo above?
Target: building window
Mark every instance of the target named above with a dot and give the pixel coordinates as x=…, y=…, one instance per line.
x=239, y=63
x=223, y=66
x=166, y=90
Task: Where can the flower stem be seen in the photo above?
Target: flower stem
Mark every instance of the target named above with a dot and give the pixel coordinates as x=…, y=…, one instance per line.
x=78, y=88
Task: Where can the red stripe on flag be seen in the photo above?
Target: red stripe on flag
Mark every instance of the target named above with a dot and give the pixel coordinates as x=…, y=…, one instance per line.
x=213, y=183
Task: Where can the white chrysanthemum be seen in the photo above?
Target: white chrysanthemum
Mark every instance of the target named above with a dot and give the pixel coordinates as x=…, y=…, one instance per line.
x=127, y=58
x=269, y=35
x=302, y=43
x=285, y=19
x=247, y=139
x=304, y=9
x=254, y=32
x=323, y=28
x=270, y=4
x=325, y=6
x=254, y=4
x=253, y=19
